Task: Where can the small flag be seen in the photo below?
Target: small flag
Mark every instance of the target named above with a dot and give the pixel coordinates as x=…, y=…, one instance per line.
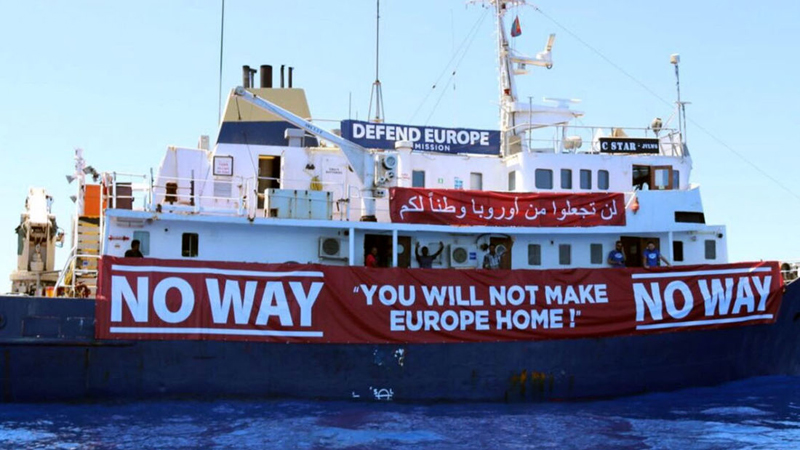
x=516, y=30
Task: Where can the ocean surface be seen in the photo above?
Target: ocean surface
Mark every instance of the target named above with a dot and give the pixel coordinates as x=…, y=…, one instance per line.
x=761, y=413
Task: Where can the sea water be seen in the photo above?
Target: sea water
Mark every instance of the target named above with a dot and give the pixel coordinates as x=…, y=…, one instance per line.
x=760, y=413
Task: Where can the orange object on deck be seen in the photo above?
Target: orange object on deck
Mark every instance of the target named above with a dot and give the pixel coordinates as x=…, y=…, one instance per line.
x=91, y=201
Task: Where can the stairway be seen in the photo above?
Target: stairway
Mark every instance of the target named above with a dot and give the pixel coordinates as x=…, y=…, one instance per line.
x=87, y=253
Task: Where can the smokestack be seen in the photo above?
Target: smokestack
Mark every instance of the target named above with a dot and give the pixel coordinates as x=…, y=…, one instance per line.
x=291, y=69
x=266, y=76
x=246, y=76
x=282, y=66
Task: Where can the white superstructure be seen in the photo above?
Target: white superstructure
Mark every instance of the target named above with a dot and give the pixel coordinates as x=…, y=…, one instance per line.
x=302, y=198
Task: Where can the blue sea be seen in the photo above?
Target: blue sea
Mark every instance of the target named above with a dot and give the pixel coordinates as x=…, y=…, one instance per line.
x=761, y=413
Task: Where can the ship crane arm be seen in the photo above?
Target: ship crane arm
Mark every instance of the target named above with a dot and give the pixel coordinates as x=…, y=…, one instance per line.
x=359, y=158
x=356, y=154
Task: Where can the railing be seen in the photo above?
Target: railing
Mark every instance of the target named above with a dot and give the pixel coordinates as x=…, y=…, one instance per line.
x=563, y=139
x=69, y=268
x=244, y=197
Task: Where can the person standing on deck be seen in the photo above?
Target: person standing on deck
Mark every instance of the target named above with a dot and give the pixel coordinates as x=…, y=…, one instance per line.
x=491, y=260
x=616, y=257
x=651, y=257
x=372, y=258
x=425, y=260
x=134, y=251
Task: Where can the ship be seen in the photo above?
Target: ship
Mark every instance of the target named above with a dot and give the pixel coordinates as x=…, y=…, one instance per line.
x=544, y=260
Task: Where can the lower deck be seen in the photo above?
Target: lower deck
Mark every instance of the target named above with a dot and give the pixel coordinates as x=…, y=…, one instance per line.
x=268, y=240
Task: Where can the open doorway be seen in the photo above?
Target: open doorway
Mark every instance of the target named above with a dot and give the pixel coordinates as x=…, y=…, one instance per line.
x=384, y=245
x=503, y=247
x=634, y=246
x=269, y=174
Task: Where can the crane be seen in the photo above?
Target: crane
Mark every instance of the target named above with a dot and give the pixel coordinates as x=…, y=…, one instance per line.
x=361, y=160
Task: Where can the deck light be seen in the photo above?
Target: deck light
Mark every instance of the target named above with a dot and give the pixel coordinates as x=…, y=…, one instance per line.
x=656, y=125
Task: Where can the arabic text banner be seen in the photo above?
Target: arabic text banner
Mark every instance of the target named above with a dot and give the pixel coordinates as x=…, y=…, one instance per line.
x=456, y=207
x=141, y=298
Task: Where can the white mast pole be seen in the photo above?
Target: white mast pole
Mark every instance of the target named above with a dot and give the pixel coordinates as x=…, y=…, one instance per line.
x=508, y=90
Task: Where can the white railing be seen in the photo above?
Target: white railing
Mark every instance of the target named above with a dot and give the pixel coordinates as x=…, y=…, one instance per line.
x=560, y=138
x=70, y=268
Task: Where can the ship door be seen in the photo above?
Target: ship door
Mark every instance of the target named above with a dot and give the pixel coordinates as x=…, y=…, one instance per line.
x=503, y=244
x=403, y=252
x=269, y=175
x=634, y=246
x=652, y=177
x=384, y=245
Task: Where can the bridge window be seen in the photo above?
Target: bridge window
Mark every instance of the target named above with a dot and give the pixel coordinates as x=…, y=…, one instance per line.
x=418, y=178
x=512, y=181
x=544, y=179
x=586, y=179
x=676, y=179
x=654, y=177
x=711, y=249
x=534, y=255
x=596, y=253
x=602, y=180
x=566, y=178
x=564, y=254
x=476, y=181
x=189, y=245
x=662, y=177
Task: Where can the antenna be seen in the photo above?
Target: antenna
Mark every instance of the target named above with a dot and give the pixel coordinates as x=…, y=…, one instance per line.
x=675, y=60
x=221, y=36
x=376, y=92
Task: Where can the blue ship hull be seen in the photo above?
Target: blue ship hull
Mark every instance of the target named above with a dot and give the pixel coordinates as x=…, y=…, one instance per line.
x=48, y=353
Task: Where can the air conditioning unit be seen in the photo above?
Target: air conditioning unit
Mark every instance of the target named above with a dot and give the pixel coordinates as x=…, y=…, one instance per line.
x=463, y=256
x=333, y=248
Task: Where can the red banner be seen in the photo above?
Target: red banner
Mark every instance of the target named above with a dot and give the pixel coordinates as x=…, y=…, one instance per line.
x=162, y=299
x=505, y=209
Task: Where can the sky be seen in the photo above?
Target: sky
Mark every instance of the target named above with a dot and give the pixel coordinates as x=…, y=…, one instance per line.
x=124, y=80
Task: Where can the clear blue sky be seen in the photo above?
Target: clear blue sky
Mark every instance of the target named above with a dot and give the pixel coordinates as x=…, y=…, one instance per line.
x=123, y=80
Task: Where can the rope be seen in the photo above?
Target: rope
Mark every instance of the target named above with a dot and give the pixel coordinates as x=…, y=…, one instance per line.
x=474, y=29
x=708, y=133
x=221, y=37
x=455, y=69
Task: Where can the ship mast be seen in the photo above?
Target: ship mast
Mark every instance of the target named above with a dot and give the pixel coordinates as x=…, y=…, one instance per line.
x=376, y=93
x=518, y=118
x=508, y=90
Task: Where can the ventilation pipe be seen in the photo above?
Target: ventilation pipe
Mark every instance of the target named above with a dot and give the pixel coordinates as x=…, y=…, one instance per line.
x=266, y=76
x=282, y=66
x=246, y=77
x=291, y=69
